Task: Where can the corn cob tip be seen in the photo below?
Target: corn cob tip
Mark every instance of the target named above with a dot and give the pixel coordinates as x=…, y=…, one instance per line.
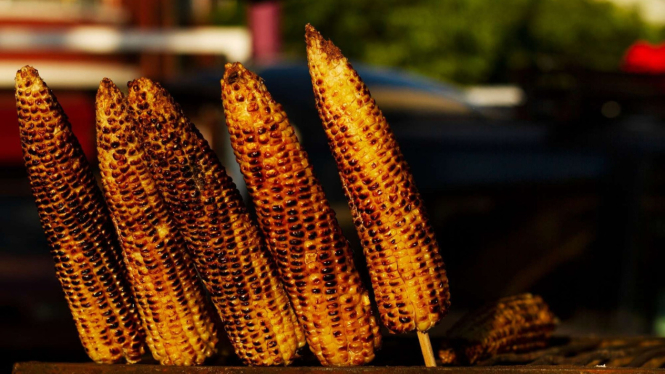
x=31, y=90
x=28, y=77
x=107, y=84
x=26, y=71
x=107, y=93
x=246, y=91
x=232, y=68
x=109, y=104
x=139, y=84
x=317, y=45
x=236, y=73
x=245, y=79
x=311, y=33
x=145, y=93
x=143, y=86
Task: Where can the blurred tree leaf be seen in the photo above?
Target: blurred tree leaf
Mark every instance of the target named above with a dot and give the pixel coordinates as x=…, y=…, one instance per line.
x=228, y=13
x=471, y=41
x=596, y=33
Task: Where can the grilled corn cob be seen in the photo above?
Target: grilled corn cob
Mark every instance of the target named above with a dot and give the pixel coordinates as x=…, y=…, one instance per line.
x=313, y=257
x=512, y=324
x=171, y=301
x=406, y=268
x=77, y=226
x=226, y=246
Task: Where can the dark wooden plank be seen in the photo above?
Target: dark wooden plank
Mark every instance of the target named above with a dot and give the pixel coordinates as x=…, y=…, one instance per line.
x=91, y=368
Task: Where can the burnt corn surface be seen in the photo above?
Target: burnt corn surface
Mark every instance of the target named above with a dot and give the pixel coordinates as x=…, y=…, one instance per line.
x=314, y=258
x=230, y=256
x=406, y=268
x=170, y=299
x=512, y=324
x=77, y=226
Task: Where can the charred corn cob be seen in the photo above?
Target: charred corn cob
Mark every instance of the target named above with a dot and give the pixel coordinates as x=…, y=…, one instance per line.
x=225, y=244
x=77, y=226
x=171, y=301
x=313, y=257
x=512, y=324
x=406, y=268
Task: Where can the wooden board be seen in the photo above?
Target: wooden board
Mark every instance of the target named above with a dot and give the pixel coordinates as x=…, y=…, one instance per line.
x=402, y=356
x=90, y=368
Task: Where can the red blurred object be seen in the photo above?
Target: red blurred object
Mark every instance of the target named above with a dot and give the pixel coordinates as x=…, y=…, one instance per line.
x=644, y=57
x=264, y=20
x=80, y=110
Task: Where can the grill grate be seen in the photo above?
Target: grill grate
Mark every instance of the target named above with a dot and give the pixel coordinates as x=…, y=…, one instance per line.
x=590, y=352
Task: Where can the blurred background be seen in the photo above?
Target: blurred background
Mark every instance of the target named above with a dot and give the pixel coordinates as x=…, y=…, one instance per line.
x=535, y=130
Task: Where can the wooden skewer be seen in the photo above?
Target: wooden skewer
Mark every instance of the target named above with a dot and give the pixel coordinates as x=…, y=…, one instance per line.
x=426, y=348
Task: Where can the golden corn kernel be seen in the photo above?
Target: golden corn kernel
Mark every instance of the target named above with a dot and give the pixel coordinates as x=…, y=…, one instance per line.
x=406, y=268
x=314, y=258
x=77, y=226
x=228, y=251
x=171, y=301
x=512, y=324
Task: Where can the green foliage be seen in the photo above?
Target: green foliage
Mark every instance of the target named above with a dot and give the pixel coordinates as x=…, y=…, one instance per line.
x=593, y=33
x=228, y=13
x=470, y=41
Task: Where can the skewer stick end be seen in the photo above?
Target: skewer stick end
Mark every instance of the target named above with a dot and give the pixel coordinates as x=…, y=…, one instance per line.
x=426, y=348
